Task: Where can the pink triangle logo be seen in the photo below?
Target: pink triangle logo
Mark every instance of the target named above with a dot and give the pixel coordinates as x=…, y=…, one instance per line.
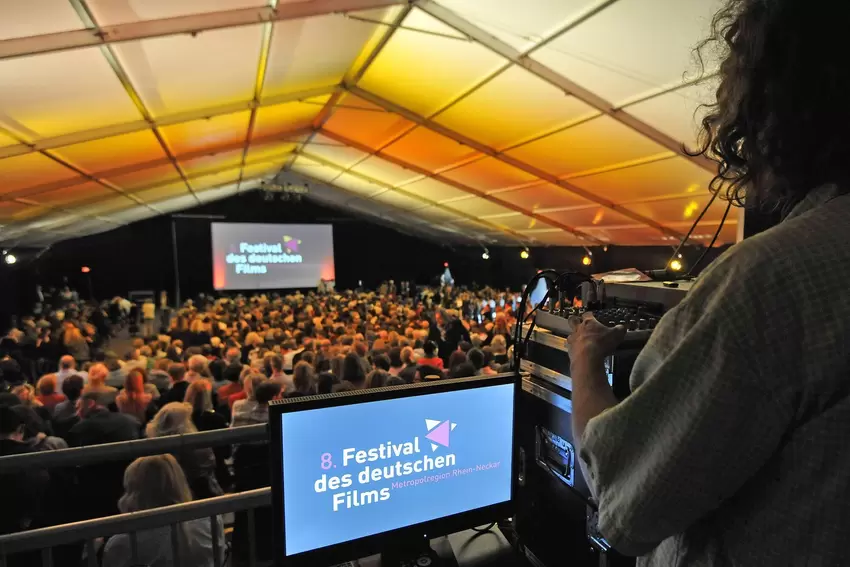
x=439, y=432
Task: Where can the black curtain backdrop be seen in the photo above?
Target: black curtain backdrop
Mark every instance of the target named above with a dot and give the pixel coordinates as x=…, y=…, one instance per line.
x=139, y=256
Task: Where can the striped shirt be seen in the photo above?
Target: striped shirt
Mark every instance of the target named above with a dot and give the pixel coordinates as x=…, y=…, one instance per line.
x=733, y=448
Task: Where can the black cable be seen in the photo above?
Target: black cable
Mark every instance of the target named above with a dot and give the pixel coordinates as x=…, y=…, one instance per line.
x=486, y=528
x=691, y=230
x=713, y=240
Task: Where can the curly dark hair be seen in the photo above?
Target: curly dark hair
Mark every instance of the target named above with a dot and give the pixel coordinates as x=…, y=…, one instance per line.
x=779, y=127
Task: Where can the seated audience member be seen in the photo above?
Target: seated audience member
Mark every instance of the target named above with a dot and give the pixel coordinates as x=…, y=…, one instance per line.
x=97, y=386
x=344, y=387
x=381, y=362
x=464, y=346
x=68, y=367
x=396, y=362
x=133, y=400
x=199, y=465
x=396, y=381
x=199, y=396
x=134, y=359
x=72, y=387
x=37, y=432
x=159, y=377
x=47, y=394
x=251, y=411
x=457, y=357
x=117, y=373
x=408, y=373
x=377, y=378
x=230, y=374
x=22, y=492
x=152, y=482
x=499, y=347
x=462, y=370
x=303, y=380
x=430, y=357
x=179, y=385
x=100, y=485
x=477, y=358
x=198, y=368
x=352, y=371
x=27, y=397
x=242, y=394
x=325, y=383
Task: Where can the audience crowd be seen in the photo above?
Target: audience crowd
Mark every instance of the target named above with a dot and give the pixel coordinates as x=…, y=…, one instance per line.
x=215, y=363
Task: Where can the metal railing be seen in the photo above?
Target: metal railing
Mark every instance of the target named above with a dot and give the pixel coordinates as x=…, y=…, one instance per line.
x=45, y=539
x=89, y=530
x=128, y=450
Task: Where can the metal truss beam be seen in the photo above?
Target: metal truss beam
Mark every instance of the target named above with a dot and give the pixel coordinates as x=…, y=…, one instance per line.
x=518, y=164
x=192, y=24
x=137, y=167
x=554, y=78
x=467, y=189
x=142, y=125
x=425, y=202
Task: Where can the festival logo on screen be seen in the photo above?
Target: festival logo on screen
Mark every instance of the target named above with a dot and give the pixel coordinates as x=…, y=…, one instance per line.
x=291, y=244
x=439, y=432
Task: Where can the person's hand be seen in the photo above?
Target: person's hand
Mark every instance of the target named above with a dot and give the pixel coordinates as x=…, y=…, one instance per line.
x=591, y=341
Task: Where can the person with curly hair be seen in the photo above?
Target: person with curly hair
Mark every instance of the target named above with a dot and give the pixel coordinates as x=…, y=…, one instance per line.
x=731, y=449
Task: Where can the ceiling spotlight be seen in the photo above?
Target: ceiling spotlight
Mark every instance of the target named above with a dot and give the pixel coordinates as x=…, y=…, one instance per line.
x=586, y=260
x=85, y=269
x=486, y=254
x=676, y=265
x=524, y=254
x=10, y=258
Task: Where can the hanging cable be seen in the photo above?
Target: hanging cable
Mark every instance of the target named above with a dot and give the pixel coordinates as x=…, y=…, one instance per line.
x=691, y=230
x=713, y=240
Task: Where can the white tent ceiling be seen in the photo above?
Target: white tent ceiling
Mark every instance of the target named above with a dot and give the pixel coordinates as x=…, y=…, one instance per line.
x=541, y=122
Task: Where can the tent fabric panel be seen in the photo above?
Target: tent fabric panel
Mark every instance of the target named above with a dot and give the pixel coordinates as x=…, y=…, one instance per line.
x=540, y=197
x=268, y=150
x=215, y=179
x=519, y=24
x=29, y=171
x=676, y=176
x=12, y=210
x=489, y=174
x=358, y=185
x=434, y=190
x=589, y=217
x=384, y=171
x=628, y=49
x=429, y=150
x=587, y=146
x=183, y=72
x=200, y=165
x=272, y=120
x=443, y=67
x=207, y=134
x=478, y=207
x=315, y=169
x=685, y=209
x=677, y=113
x=70, y=195
x=113, y=152
x=366, y=123
x=516, y=221
x=512, y=108
x=334, y=152
x=58, y=93
x=37, y=17
x=318, y=51
x=145, y=178
x=399, y=201
x=162, y=192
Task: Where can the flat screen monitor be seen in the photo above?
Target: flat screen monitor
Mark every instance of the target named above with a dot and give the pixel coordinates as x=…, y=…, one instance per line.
x=356, y=472
x=271, y=256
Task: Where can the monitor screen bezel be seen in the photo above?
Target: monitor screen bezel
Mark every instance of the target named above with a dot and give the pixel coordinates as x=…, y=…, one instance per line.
x=372, y=544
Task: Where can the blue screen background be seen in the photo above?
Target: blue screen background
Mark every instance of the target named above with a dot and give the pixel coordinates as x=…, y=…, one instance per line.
x=484, y=418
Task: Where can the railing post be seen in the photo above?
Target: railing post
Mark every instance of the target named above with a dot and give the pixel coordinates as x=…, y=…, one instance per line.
x=252, y=540
x=47, y=557
x=91, y=553
x=134, y=548
x=215, y=542
x=175, y=545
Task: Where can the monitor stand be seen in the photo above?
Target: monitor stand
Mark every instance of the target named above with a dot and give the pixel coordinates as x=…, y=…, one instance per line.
x=419, y=553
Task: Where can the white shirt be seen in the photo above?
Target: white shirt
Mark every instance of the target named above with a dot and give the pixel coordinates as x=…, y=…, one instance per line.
x=155, y=546
x=63, y=373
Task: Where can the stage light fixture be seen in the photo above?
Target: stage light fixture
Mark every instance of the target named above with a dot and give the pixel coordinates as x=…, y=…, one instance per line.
x=10, y=258
x=676, y=265
x=486, y=254
x=524, y=254
x=85, y=269
x=586, y=260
